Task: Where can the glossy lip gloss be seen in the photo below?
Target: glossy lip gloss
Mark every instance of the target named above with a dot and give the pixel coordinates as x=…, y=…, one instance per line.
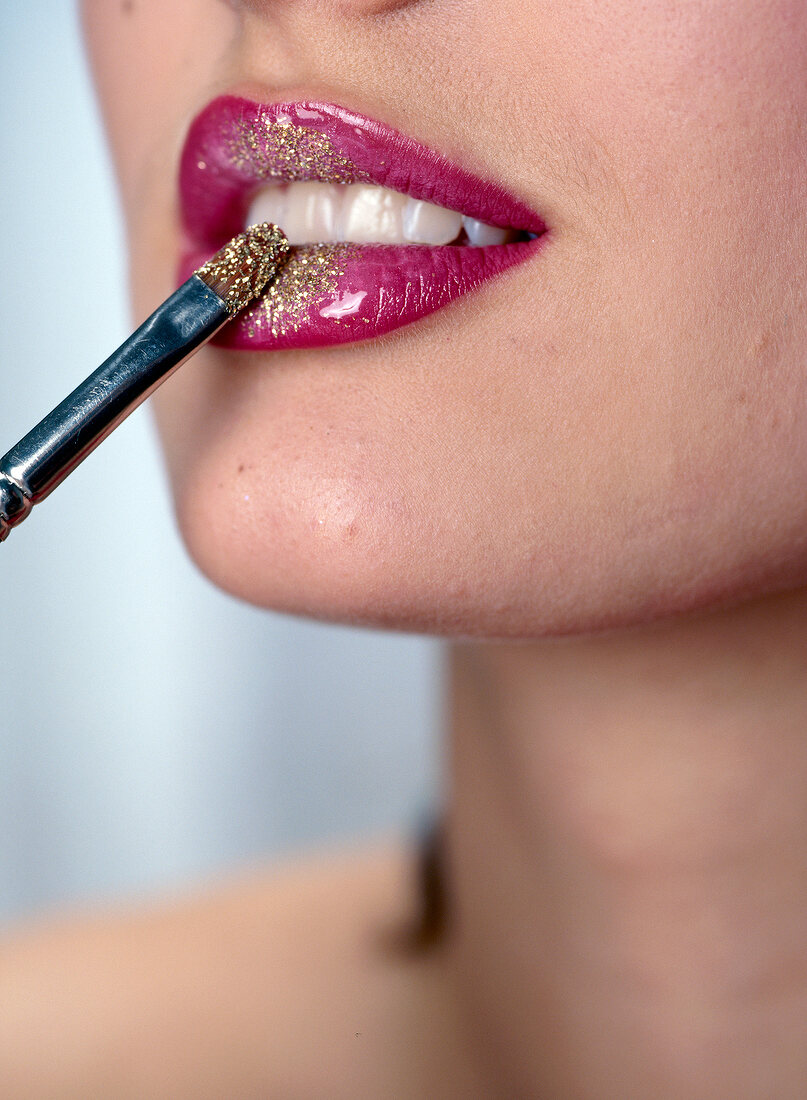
x=337, y=293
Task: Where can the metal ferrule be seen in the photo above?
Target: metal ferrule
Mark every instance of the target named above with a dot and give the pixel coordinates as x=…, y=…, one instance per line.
x=51, y=450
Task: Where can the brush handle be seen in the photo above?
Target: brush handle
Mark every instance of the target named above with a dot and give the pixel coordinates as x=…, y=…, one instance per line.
x=50, y=451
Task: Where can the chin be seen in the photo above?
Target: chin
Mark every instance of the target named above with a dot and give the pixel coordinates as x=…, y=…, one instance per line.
x=338, y=549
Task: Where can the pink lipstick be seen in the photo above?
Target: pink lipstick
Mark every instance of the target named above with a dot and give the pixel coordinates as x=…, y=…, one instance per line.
x=337, y=288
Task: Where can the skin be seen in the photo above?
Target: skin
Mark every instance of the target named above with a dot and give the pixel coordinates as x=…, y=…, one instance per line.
x=614, y=406
x=599, y=460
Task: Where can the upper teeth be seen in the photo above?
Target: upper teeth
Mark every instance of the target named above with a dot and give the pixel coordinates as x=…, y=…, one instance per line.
x=312, y=212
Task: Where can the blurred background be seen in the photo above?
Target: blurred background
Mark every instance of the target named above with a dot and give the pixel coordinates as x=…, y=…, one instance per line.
x=154, y=733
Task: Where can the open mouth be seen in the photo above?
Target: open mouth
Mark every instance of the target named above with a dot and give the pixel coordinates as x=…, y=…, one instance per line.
x=321, y=213
x=384, y=230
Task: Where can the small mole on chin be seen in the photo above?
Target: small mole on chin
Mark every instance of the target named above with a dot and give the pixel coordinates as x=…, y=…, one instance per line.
x=127, y=7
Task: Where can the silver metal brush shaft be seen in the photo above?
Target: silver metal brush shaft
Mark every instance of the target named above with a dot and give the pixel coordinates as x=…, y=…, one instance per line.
x=48, y=453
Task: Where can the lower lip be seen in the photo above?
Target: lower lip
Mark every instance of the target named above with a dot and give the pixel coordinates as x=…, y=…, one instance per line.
x=339, y=294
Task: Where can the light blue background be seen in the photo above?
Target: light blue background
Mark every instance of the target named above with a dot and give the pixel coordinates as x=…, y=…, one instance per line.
x=153, y=732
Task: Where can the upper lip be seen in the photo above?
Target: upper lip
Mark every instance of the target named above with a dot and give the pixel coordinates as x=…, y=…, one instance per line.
x=231, y=151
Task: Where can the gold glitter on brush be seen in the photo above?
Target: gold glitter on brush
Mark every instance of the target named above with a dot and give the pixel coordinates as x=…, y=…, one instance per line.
x=310, y=273
x=240, y=271
x=283, y=151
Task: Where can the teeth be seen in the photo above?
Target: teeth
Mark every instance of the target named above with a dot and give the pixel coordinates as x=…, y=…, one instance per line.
x=371, y=214
x=310, y=212
x=481, y=234
x=268, y=205
x=429, y=224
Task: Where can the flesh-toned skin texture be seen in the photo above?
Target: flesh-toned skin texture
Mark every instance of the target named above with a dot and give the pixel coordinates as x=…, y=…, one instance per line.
x=607, y=433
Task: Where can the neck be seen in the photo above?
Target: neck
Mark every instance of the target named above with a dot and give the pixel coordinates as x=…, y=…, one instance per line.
x=627, y=846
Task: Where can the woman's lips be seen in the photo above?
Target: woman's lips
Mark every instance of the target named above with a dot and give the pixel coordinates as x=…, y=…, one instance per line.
x=335, y=293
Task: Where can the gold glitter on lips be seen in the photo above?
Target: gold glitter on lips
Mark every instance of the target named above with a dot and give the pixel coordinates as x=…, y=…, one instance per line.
x=267, y=149
x=284, y=151
x=310, y=273
x=240, y=271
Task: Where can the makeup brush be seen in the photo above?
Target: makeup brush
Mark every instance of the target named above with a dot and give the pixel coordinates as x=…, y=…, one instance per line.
x=194, y=313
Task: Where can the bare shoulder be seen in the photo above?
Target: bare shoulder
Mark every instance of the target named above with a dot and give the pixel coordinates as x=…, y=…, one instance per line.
x=284, y=983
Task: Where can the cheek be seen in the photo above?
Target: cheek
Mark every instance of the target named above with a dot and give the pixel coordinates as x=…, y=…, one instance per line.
x=152, y=62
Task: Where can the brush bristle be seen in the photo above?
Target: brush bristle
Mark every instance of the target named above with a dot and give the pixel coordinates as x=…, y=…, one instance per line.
x=246, y=265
